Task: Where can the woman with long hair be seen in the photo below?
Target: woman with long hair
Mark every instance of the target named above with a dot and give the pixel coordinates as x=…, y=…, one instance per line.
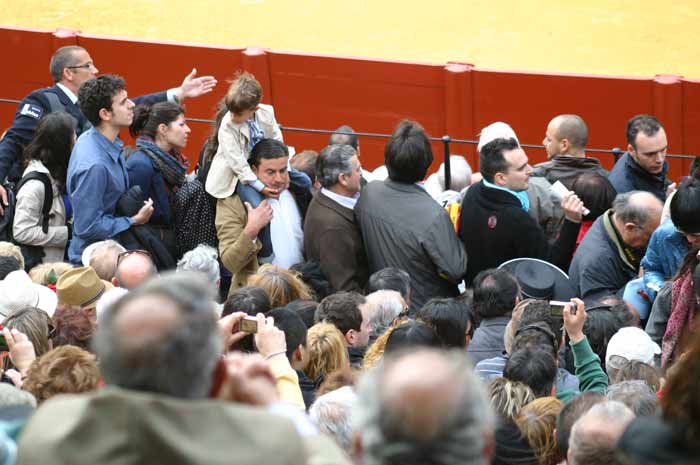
x=48, y=154
x=537, y=421
x=156, y=164
x=282, y=285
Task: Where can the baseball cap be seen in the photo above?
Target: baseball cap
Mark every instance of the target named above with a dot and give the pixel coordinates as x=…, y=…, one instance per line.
x=632, y=343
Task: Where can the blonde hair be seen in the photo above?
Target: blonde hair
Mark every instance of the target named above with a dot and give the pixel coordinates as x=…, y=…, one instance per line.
x=281, y=285
x=12, y=250
x=40, y=273
x=537, y=421
x=244, y=93
x=375, y=352
x=508, y=397
x=327, y=351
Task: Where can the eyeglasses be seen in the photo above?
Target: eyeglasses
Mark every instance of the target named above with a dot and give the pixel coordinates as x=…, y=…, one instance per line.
x=52, y=330
x=87, y=65
x=126, y=253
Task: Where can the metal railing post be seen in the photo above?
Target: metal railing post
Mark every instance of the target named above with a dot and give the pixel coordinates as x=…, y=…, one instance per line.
x=448, y=171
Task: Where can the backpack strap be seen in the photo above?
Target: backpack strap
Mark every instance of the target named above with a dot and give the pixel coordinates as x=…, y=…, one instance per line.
x=54, y=102
x=48, y=195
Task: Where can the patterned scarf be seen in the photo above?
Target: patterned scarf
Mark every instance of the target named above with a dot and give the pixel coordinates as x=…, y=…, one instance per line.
x=256, y=134
x=173, y=165
x=682, y=318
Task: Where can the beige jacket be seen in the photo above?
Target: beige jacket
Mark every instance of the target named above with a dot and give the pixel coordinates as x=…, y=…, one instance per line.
x=27, y=222
x=238, y=253
x=230, y=163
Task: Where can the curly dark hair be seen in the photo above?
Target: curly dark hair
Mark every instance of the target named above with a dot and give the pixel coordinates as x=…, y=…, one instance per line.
x=97, y=93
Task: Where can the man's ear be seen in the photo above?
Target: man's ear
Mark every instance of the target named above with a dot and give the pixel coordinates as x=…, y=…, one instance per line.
x=218, y=377
x=105, y=114
x=499, y=179
x=357, y=451
x=631, y=149
x=631, y=228
x=564, y=146
x=115, y=282
x=489, y=446
x=350, y=337
x=297, y=355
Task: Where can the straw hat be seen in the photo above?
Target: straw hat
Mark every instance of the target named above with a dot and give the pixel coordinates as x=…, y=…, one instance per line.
x=18, y=291
x=81, y=286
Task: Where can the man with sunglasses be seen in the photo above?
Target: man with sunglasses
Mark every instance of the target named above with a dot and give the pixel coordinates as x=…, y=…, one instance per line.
x=70, y=67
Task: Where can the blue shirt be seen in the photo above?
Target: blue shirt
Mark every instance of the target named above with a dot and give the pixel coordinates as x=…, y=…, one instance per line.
x=664, y=256
x=96, y=180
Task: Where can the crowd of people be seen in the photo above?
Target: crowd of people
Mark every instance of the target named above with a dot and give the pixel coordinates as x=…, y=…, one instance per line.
x=282, y=307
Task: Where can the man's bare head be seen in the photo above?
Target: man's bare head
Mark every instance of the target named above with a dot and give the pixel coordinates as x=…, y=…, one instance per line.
x=161, y=338
x=134, y=269
x=423, y=407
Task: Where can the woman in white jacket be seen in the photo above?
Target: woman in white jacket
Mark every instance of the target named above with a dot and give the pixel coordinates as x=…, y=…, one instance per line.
x=48, y=152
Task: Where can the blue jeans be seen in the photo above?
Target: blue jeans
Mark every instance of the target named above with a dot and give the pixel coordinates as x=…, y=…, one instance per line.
x=254, y=198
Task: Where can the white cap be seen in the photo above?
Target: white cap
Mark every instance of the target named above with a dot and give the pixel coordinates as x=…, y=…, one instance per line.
x=632, y=343
x=18, y=291
x=497, y=130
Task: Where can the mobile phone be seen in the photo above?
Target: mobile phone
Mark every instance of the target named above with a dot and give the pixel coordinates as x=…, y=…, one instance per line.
x=249, y=324
x=556, y=308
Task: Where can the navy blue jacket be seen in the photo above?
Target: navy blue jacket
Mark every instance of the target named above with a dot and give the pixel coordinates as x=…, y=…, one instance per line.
x=30, y=110
x=627, y=176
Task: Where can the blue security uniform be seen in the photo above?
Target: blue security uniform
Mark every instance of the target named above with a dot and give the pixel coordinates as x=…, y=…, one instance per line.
x=31, y=109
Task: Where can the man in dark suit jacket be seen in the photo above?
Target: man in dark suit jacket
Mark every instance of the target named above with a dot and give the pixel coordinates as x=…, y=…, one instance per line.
x=70, y=67
x=494, y=224
x=331, y=235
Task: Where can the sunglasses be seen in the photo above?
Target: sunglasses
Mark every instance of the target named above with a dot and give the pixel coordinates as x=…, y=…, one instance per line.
x=126, y=253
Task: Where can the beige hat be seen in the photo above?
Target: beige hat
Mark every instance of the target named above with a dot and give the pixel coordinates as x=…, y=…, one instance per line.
x=82, y=287
x=18, y=291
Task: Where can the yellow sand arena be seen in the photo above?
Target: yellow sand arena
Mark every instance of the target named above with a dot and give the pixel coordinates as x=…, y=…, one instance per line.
x=619, y=37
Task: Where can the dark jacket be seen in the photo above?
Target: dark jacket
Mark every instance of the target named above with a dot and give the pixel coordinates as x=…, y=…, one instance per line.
x=627, y=176
x=403, y=227
x=600, y=267
x=566, y=168
x=145, y=173
x=487, y=341
x=332, y=239
x=495, y=229
x=30, y=110
x=143, y=236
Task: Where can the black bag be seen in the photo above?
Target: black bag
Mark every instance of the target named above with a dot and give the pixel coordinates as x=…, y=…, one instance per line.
x=33, y=255
x=194, y=217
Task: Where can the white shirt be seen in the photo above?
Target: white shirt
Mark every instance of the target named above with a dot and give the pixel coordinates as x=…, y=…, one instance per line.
x=285, y=231
x=73, y=98
x=347, y=202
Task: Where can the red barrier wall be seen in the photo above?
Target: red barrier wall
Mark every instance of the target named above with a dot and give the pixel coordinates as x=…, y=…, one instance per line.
x=324, y=92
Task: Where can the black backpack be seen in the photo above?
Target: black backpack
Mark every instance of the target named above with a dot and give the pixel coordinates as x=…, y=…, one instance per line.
x=33, y=255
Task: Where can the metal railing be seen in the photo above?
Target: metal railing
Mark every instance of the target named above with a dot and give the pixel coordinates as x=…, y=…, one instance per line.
x=616, y=152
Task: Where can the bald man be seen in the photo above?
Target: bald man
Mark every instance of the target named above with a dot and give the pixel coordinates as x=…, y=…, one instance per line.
x=610, y=254
x=407, y=413
x=594, y=436
x=133, y=269
x=565, y=143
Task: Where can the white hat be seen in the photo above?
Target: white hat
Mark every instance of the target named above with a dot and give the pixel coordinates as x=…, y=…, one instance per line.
x=633, y=344
x=18, y=291
x=497, y=130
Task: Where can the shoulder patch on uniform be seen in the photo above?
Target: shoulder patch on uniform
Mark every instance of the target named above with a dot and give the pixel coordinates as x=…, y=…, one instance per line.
x=33, y=111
